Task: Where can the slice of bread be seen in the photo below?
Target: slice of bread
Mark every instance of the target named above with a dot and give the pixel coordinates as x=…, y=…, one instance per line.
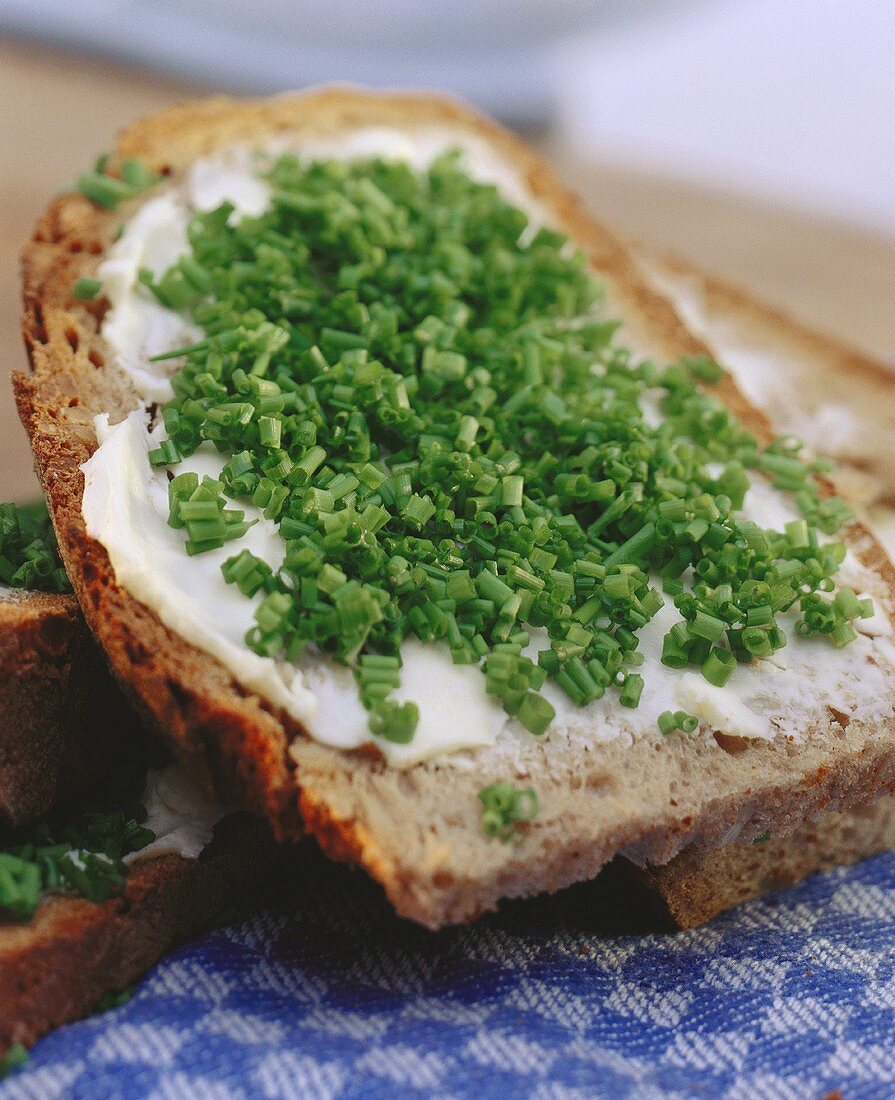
x=60, y=711
x=418, y=830
x=53, y=751
x=689, y=890
x=697, y=886
x=58, y=966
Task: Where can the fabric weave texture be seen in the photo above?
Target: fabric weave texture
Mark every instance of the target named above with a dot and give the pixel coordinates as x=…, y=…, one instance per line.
x=325, y=994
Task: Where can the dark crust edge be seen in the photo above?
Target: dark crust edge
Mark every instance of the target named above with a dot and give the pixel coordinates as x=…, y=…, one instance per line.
x=60, y=711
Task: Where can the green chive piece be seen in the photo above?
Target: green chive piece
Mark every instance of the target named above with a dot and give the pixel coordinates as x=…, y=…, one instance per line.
x=535, y=713
x=86, y=290
x=507, y=812
x=718, y=666
x=631, y=691
x=15, y=1056
x=138, y=174
x=394, y=722
x=104, y=190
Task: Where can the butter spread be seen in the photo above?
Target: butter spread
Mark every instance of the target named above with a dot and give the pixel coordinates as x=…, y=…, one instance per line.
x=719, y=708
x=125, y=508
x=179, y=812
x=137, y=326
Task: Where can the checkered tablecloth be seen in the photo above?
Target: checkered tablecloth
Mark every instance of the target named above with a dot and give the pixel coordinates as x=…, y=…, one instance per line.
x=326, y=994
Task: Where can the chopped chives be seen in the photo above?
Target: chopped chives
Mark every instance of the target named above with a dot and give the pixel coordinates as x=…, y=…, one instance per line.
x=412, y=398
x=667, y=722
x=394, y=722
x=506, y=811
x=670, y=721
x=109, y=191
x=85, y=290
x=29, y=557
x=104, y=190
x=718, y=666
x=79, y=854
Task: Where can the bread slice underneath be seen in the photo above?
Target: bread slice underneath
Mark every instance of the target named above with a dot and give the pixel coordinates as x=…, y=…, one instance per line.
x=60, y=710
x=418, y=831
x=696, y=886
x=58, y=966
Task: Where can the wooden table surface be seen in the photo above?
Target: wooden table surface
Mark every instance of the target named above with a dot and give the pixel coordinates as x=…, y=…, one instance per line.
x=57, y=111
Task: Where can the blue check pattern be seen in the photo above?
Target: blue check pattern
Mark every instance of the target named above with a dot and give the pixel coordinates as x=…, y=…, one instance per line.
x=327, y=995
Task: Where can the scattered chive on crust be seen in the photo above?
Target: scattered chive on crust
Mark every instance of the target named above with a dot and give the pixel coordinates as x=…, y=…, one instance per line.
x=29, y=557
x=86, y=290
x=402, y=373
x=15, y=1057
x=506, y=811
x=109, y=191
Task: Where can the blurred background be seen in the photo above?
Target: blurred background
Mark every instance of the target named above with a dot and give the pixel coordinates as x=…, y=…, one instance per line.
x=753, y=137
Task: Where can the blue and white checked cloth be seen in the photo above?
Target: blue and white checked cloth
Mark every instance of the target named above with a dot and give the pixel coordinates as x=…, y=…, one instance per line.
x=329, y=995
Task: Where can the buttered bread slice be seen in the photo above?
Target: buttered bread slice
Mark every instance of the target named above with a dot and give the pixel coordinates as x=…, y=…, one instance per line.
x=410, y=513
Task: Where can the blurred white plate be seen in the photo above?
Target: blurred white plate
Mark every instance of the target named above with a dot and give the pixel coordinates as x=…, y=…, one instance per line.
x=496, y=53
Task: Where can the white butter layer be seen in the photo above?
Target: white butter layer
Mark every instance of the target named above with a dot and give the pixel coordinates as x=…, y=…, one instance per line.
x=766, y=376
x=125, y=507
x=179, y=812
x=137, y=326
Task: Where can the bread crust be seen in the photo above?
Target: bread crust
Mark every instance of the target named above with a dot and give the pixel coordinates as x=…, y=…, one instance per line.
x=60, y=711
x=258, y=757
x=58, y=966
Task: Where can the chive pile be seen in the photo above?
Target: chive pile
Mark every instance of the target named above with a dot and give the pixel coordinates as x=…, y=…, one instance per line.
x=419, y=389
x=29, y=557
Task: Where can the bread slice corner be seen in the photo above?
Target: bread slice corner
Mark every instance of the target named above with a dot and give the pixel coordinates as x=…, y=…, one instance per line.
x=696, y=886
